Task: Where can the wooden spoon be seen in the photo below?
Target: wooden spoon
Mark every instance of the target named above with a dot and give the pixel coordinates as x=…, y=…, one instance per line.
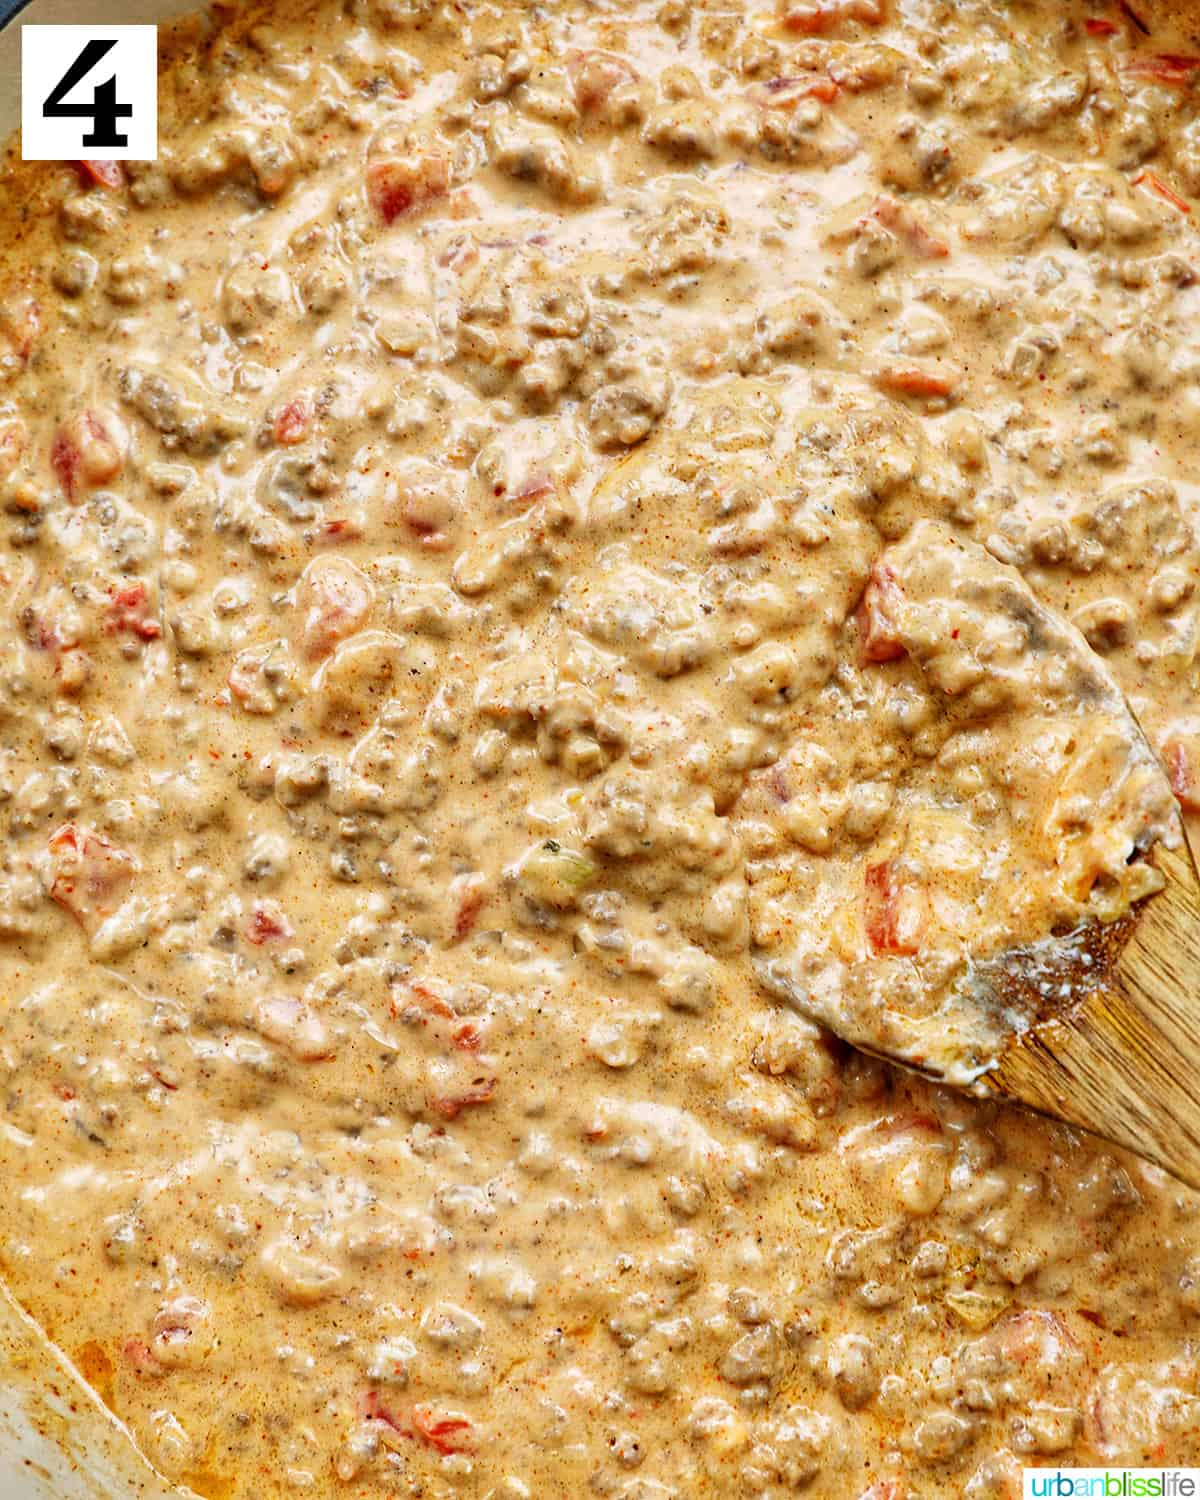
x=1114, y=1046
x=1098, y=1026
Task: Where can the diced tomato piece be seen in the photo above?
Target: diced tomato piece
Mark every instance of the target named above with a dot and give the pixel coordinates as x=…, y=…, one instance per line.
x=398, y=185
x=467, y=1037
x=446, y=1431
x=1095, y=26
x=1182, y=62
x=293, y=421
x=812, y=17
x=910, y=380
x=85, y=453
x=268, y=924
x=1174, y=69
x=342, y=529
x=129, y=610
x=1183, y=775
x=389, y=190
x=902, y=220
x=894, y=910
x=420, y=997
x=882, y=1489
x=418, y=1001
x=468, y=910
x=89, y=874
x=469, y=893
x=335, y=599
x=824, y=89
x=109, y=174
x=450, y=1106
x=595, y=76
x=64, y=460
x=878, y=617
x=787, y=92
x=1156, y=185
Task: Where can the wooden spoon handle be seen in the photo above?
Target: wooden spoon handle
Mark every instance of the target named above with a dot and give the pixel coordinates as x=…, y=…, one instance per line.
x=1123, y=1060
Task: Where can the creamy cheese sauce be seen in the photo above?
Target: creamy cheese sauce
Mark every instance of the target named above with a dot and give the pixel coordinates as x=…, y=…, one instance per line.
x=547, y=553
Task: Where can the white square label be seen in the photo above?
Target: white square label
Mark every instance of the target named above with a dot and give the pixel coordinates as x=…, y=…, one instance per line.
x=89, y=93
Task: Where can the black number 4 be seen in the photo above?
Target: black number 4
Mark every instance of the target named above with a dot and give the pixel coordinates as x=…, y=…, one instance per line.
x=103, y=111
